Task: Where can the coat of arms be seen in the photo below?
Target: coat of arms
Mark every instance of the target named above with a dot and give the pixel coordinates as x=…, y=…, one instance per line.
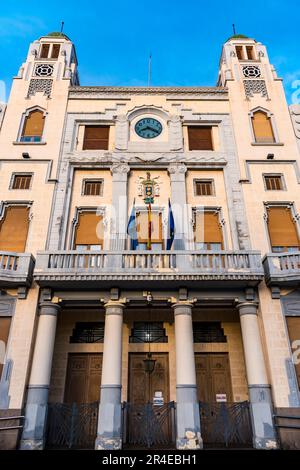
x=148, y=188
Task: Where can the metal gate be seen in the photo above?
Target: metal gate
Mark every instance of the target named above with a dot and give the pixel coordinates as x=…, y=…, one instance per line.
x=72, y=426
x=226, y=424
x=149, y=425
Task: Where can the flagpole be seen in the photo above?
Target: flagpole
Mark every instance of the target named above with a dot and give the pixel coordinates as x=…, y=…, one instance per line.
x=149, y=244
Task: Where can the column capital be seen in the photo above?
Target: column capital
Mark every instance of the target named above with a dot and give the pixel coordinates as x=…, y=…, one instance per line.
x=182, y=308
x=114, y=308
x=177, y=171
x=120, y=169
x=247, y=308
x=49, y=308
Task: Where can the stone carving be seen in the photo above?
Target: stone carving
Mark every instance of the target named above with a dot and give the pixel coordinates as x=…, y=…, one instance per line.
x=295, y=114
x=120, y=168
x=251, y=71
x=44, y=70
x=255, y=87
x=177, y=169
x=40, y=85
x=122, y=132
x=175, y=130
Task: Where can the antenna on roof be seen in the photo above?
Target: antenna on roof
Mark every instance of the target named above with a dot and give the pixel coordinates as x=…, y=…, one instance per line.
x=234, y=31
x=150, y=70
x=62, y=26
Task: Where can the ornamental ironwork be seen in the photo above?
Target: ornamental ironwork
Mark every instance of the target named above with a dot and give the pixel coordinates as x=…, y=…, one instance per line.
x=148, y=332
x=208, y=332
x=88, y=332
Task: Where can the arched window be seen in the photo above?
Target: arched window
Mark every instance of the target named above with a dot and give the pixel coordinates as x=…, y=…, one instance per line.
x=262, y=127
x=33, y=126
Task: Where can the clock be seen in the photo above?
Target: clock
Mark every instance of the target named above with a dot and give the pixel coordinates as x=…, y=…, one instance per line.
x=148, y=128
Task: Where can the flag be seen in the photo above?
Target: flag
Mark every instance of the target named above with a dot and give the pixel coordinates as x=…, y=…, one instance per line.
x=149, y=227
x=131, y=229
x=171, y=228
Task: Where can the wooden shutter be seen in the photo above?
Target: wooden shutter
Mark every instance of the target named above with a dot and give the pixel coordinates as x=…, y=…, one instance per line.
x=4, y=333
x=262, y=127
x=200, y=138
x=142, y=227
x=14, y=229
x=212, y=232
x=96, y=138
x=293, y=324
x=34, y=124
x=282, y=229
x=89, y=229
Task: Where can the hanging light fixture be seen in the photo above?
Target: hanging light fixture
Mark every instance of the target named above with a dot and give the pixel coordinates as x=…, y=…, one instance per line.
x=149, y=363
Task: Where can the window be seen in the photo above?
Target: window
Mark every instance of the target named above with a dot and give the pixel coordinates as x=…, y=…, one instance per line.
x=208, y=332
x=262, y=128
x=88, y=332
x=282, y=230
x=55, y=51
x=143, y=230
x=250, y=53
x=96, y=138
x=21, y=181
x=93, y=187
x=33, y=126
x=204, y=187
x=273, y=182
x=148, y=332
x=200, y=138
x=239, y=52
x=4, y=333
x=14, y=229
x=45, y=51
x=89, y=232
x=207, y=231
x=293, y=324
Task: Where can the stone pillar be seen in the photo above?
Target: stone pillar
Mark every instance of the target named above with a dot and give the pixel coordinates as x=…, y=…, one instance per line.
x=177, y=173
x=33, y=436
x=187, y=408
x=109, y=435
x=264, y=434
x=119, y=206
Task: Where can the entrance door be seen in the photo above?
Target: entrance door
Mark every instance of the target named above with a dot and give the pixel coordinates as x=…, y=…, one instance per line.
x=149, y=415
x=83, y=378
x=142, y=386
x=213, y=376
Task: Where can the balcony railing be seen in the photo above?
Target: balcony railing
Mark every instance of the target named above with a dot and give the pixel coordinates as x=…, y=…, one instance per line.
x=282, y=268
x=16, y=269
x=72, y=266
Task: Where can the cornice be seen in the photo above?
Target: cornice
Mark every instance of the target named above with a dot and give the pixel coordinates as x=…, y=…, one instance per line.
x=107, y=90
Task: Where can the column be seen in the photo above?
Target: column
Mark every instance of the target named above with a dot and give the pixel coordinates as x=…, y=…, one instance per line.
x=264, y=434
x=187, y=408
x=109, y=435
x=33, y=436
x=177, y=173
x=119, y=206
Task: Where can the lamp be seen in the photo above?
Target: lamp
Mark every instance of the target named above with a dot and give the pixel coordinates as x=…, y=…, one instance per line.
x=149, y=363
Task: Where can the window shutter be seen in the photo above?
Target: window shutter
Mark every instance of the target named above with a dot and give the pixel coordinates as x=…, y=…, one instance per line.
x=14, y=229
x=4, y=333
x=200, y=138
x=142, y=227
x=212, y=232
x=34, y=124
x=282, y=229
x=293, y=324
x=89, y=229
x=262, y=127
x=96, y=138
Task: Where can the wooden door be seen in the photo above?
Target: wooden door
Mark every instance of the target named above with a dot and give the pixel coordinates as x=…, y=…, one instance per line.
x=142, y=386
x=293, y=324
x=213, y=376
x=83, y=378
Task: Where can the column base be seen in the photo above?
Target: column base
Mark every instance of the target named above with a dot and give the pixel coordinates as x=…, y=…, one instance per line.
x=108, y=443
x=192, y=441
x=188, y=418
x=261, y=408
x=31, y=444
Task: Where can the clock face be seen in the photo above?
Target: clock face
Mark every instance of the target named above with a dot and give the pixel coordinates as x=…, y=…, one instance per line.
x=148, y=128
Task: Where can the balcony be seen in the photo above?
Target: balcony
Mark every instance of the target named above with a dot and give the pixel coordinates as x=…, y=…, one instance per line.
x=283, y=268
x=77, y=269
x=16, y=269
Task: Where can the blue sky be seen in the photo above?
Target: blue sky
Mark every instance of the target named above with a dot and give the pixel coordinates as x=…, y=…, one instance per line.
x=114, y=38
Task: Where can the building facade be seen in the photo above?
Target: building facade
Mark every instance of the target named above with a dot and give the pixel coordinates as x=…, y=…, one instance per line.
x=149, y=257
